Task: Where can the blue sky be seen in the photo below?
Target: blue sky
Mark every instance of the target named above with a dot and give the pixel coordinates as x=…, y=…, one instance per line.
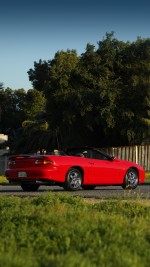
x=36, y=29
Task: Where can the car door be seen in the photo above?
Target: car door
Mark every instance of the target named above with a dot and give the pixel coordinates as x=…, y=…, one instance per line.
x=103, y=170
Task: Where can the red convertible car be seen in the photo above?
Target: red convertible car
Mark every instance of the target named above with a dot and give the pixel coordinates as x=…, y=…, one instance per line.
x=78, y=168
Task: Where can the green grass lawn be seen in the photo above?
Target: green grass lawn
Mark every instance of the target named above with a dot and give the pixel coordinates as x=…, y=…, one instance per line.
x=148, y=177
x=59, y=230
x=3, y=179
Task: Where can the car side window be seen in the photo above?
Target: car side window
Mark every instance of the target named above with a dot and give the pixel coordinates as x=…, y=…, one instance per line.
x=89, y=154
x=94, y=154
x=98, y=155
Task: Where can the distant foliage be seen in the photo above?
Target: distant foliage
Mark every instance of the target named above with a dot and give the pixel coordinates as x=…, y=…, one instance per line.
x=100, y=98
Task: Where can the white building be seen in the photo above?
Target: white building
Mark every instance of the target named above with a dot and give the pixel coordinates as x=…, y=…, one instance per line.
x=3, y=138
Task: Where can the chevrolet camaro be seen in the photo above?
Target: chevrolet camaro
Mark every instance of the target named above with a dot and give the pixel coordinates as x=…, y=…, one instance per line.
x=79, y=168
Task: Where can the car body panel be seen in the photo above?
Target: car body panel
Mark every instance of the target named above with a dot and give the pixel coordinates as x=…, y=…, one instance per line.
x=97, y=169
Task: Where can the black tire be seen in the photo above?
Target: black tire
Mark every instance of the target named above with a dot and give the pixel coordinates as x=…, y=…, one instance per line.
x=88, y=187
x=29, y=187
x=73, y=180
x=131, y=179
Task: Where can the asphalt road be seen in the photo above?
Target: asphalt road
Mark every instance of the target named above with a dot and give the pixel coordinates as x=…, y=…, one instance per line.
x=142, y=191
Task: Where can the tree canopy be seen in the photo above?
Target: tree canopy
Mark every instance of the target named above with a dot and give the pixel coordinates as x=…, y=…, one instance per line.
x=100, y=98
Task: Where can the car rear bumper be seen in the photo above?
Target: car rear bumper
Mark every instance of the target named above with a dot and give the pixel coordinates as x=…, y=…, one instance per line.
x=33, y=175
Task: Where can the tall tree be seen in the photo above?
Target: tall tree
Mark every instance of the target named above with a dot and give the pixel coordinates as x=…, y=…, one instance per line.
x=100, y=98
x=11, y=108
x=98, y=91
x=34, y=103
x=58, y=104
x=134, y=104
x=34, y=124
x=1, y=85
x=40, y=76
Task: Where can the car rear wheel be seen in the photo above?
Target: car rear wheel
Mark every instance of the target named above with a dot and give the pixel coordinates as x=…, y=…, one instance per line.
x=30, y=187
x=131, y=179
x=73, y=180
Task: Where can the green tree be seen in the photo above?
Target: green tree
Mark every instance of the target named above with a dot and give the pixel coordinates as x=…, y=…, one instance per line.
x=16, y=107
x=11, y=108
x=134, y=104
x=34, y=104
x=34, y=125
x=98, y=89
x=60, y=94
x=40, y=76
x=100, y=98
x=33, y=137
x=1, y=85
x=3, y=101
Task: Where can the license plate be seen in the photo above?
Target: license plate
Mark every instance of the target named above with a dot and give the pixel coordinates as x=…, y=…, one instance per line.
x=22, y=174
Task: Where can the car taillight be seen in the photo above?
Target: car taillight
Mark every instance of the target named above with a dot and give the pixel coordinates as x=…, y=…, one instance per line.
x=43, y=162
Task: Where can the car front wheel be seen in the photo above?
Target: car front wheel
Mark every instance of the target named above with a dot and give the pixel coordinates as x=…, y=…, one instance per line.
x=29, y=187
x=73, y=180
x=131, y=179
